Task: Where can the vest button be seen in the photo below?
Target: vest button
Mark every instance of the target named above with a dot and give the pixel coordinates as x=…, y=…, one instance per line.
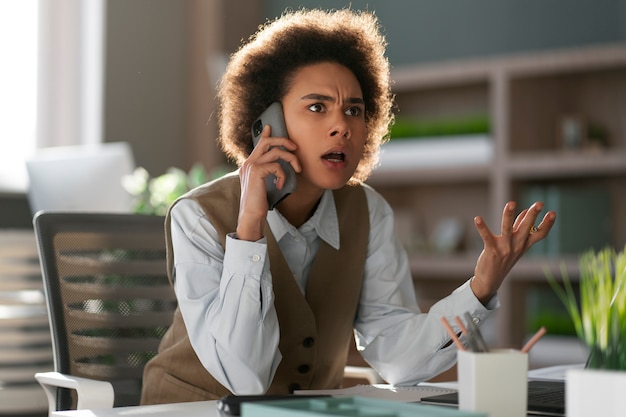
x=303, y=369
x=293, y=387
x=308, y=342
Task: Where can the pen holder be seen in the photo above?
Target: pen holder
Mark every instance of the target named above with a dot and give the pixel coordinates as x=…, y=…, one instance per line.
x=494, y=382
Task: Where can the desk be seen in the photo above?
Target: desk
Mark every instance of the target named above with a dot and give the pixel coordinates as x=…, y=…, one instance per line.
x=209, y=408
x=192, y=409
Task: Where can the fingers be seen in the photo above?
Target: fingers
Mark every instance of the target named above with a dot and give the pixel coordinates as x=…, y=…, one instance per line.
x=502, y=252
x=483, y=230
x=268, y=142
x=508, y=225
x=517, y=230
x=528, y=218
x=526, y=224
x=270, y=149
x=518, y=220
x=541, y=231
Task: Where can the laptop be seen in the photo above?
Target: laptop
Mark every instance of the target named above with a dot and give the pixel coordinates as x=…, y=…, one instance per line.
x=545, y=398
x=80, y=178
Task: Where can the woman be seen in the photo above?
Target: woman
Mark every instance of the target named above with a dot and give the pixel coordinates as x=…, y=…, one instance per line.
x=269, y=299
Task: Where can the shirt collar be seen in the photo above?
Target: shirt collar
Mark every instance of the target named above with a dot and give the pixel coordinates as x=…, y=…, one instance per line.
x=324, y=221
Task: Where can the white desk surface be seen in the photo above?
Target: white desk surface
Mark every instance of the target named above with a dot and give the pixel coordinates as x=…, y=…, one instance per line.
x=192, y=409
x=209, y=408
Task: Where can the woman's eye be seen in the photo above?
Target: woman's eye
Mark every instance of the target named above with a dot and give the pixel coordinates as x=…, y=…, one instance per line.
x=353, y=111
x=316, y=108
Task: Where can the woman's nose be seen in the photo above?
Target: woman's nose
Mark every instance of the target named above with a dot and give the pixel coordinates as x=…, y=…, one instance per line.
x=340, y=127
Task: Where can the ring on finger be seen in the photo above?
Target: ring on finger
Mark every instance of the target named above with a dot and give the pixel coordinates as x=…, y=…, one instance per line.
x=533, y=229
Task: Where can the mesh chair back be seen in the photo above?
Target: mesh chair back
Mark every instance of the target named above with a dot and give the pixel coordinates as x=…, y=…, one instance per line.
x=108, y=297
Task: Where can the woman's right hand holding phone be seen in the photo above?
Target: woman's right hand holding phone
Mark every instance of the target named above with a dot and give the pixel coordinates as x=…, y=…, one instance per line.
x=262, y=162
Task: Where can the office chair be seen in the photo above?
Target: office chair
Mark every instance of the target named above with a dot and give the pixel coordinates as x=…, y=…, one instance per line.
x=109, y=303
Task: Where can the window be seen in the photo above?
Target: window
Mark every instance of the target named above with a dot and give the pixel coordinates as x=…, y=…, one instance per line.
x=61, y=103
x=18, y=89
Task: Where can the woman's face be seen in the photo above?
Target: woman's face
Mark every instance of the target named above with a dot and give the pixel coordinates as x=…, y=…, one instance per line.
x=325, y=116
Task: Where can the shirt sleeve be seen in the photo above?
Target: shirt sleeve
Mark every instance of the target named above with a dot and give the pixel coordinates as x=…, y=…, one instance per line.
x=403, y=344
x=226, y=300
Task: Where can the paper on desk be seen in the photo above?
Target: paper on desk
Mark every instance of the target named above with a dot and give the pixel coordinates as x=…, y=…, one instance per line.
x=382, y=391
x=553, y=373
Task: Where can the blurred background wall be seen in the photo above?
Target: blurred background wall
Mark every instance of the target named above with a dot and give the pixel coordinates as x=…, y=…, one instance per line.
x=164, y=57
x=426, y=30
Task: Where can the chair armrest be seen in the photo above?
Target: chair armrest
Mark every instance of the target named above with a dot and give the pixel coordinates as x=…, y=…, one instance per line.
x=363, y=372
x=91, y=393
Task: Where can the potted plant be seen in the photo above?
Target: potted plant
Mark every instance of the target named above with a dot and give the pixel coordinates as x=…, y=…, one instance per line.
x=599, y=317
x=155, y=195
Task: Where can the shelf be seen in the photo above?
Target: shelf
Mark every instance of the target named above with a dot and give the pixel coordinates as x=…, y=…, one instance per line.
x=443, y=267
x=531, y=165
x=532, y=269
x=443, y=159
x=435, y=152
x=461, y=267
x=526, y=98
x=416, y=176
x=482, y=70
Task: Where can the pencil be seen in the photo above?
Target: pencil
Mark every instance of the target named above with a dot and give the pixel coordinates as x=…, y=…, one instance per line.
x=459, y=323
x=531, y=342
x=453, y=335
x=470, y=338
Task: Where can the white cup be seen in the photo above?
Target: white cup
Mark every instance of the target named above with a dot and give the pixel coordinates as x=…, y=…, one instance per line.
x=494, y=382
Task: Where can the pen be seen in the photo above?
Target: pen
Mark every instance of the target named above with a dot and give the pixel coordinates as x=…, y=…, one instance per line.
x=453, y=335
x=475, y=332
x=470, y=338
x=531, y=342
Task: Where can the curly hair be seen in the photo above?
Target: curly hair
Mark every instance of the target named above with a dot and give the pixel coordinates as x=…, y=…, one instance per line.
x=260, y=72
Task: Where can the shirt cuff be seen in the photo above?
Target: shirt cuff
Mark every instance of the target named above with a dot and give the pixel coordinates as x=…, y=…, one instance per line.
x=466, y=292
x=245, y=257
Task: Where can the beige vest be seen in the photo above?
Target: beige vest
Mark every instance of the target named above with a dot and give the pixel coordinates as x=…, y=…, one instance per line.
x=316, y=330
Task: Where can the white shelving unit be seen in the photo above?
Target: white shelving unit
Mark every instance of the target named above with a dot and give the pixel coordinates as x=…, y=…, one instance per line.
x=526, y=96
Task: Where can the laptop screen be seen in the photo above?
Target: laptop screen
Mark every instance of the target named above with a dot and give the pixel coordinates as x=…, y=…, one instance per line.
x=545, y=398
x=80, y=178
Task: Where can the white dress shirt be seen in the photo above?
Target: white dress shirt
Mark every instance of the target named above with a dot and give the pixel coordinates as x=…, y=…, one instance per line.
x=226, y=297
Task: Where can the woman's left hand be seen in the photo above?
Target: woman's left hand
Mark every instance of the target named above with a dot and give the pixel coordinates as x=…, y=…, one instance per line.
x=501, y=252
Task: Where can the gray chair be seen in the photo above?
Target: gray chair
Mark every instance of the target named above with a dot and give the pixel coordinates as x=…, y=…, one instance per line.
x=109, y=303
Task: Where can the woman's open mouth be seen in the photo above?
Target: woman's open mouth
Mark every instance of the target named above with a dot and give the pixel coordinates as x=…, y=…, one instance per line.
x=334, y=160
x=334, y=157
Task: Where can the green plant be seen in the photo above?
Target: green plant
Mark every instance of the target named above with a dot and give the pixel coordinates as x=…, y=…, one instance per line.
x=600, y=316
x=434, y=127
x=155, y=195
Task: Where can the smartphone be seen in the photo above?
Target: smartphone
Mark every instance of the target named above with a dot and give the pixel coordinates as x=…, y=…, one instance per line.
x=273, y=116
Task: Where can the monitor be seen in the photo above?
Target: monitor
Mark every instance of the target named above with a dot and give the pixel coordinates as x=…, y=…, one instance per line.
x=80, y=178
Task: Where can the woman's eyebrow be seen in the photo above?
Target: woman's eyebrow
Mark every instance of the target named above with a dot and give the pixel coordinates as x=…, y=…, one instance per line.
x=322, y=97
